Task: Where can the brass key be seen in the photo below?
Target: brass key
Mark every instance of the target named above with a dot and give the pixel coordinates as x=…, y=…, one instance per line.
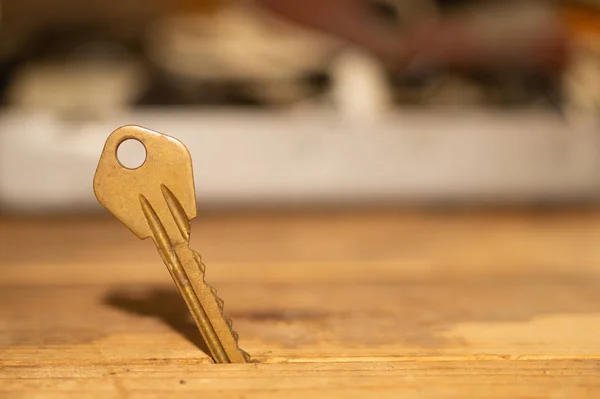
x=157, y=200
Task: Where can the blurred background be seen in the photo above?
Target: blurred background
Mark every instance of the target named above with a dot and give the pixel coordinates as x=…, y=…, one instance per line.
x=317, y=103
x=369, y=175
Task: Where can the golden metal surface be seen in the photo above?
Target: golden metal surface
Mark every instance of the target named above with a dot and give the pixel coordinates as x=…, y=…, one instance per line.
x=157, y=200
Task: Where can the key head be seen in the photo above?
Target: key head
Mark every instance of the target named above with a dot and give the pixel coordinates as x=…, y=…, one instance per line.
x=168, y=163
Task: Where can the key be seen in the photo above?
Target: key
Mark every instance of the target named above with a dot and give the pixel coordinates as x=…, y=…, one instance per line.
x=157, y=200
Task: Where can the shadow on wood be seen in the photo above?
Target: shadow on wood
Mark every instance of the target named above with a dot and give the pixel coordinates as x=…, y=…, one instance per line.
x=162, y=303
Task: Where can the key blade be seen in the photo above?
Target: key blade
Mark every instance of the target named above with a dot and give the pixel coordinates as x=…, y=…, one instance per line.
x=168, y=164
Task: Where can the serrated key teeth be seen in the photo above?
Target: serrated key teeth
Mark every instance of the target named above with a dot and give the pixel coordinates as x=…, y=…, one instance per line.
x=219, y=301
x=197, y=256
x=198, y=260
x=236, y=336
x=229, y=322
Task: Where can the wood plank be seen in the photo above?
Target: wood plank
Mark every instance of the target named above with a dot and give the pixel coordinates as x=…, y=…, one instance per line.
x=379, y=304
x=313, y=246
x=184, y=379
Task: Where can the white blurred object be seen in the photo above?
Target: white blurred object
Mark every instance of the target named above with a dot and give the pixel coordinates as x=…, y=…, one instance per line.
x=313, y=156
x=239, y=43
x=77, y=87
x=360, y=90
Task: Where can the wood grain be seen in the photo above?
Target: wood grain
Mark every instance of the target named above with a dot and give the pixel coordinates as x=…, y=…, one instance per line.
x=371, y=304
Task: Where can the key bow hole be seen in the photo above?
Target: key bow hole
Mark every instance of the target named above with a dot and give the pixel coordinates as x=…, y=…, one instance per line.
x=131, y=153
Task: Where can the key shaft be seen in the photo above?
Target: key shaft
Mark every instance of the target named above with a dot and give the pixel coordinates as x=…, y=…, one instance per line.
x=187, y=270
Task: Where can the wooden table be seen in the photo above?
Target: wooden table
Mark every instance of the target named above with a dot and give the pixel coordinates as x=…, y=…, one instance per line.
x=382, y=304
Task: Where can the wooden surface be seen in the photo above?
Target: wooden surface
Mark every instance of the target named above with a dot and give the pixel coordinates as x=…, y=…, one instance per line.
x=373, y=304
